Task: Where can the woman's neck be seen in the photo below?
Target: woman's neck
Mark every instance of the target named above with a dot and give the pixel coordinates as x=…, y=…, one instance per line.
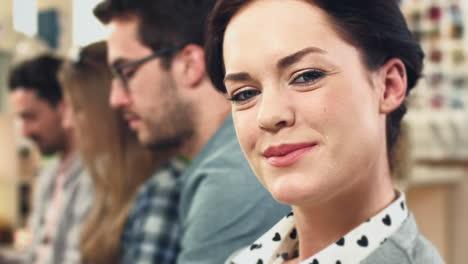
x=323, y=224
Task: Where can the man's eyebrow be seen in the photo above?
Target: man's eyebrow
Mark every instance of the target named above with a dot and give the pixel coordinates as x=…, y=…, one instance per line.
x=295, y=57
x=118, y=61
x=241, y=76
x=26, y=115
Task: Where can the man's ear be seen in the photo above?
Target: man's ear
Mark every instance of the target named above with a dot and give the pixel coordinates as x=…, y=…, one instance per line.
x=189, y=65
x=393, y=77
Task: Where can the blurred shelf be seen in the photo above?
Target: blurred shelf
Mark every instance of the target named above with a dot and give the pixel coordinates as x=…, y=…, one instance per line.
x=424, y=172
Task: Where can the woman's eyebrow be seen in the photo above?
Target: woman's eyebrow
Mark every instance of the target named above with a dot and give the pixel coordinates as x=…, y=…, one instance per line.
x=295, y=57
x=241, y=76
x=282, y=63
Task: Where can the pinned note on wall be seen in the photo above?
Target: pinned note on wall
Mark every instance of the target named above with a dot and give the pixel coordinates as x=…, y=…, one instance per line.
x=49, y=27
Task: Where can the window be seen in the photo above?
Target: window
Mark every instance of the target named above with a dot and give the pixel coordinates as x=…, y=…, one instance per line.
x=25, y=16
x=86, y=27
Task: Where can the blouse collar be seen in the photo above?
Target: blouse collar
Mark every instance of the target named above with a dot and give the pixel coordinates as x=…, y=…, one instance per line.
x=280, y=242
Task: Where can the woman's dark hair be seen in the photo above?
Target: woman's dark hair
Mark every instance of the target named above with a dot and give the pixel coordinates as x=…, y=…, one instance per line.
x=38, y=74
x=376, y=27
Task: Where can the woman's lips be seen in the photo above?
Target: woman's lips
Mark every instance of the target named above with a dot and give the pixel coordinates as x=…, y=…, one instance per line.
x=286, y=154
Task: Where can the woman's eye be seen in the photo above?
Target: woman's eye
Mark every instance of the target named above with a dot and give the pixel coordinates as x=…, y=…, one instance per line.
x=308, y=77
x=245, y=95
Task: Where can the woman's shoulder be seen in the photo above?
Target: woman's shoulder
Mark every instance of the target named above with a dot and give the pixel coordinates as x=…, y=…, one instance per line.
x=407, y=245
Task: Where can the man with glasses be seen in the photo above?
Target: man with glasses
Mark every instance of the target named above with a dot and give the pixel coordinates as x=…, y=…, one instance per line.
x=160, y=85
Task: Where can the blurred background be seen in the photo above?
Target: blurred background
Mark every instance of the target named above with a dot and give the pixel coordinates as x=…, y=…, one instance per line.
x=432, y=159
x=27, y=29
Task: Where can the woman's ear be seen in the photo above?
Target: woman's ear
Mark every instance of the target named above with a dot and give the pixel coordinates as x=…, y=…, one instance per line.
x=189, y=67
x=394, y=80
x=66, y=112
x=61, y=105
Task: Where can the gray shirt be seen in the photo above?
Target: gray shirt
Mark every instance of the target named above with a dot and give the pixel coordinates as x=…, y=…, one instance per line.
x=78, y=194
x=390, y=237
x=406, y=246
x=223, y=206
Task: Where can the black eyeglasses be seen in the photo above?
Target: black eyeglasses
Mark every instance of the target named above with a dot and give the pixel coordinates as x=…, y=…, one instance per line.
x=118, y=70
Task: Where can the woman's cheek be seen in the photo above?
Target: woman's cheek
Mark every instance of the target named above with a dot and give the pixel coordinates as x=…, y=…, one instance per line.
x=247, y=130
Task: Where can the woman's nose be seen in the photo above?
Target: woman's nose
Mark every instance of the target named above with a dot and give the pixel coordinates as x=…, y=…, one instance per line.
x=276, y=111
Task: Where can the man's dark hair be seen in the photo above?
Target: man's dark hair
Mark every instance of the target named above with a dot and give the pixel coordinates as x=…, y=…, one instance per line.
x=162, y=23
x=38, y=74
x=376, y=28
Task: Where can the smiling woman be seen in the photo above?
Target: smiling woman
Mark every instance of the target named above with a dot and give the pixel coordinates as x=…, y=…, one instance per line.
x=317, y=99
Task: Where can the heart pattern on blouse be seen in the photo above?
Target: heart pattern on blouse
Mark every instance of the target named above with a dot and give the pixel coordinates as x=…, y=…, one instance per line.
x=387, y=220
x=363, y=242
x=277, y=237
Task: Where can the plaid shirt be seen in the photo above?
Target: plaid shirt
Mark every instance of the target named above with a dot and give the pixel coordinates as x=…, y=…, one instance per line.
x=150, y=235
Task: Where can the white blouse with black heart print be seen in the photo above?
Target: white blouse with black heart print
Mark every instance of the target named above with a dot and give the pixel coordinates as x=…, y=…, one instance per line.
x=280, y=243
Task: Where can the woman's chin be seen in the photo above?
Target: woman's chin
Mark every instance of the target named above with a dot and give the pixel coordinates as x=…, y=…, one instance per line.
x=289, y=194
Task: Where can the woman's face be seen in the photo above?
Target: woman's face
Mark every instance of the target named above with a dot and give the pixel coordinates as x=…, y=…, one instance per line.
x=69, y=118
x=74, y=115
x=306, y=109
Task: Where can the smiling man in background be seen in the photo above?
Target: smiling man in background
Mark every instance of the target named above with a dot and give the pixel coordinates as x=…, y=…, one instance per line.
x=62, y=192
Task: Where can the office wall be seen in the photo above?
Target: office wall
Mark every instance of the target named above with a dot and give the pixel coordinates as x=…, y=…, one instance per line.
x=8, y=170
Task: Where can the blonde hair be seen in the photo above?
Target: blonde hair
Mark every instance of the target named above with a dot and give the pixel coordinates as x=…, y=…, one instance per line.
x=117, y=163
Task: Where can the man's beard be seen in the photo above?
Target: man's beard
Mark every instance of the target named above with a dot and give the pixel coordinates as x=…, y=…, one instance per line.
x=174, y=130
x=170, y=143
x=46, y=150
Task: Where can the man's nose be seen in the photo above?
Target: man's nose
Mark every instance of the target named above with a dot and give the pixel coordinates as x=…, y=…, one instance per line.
x=119, y=97
x=27, y=131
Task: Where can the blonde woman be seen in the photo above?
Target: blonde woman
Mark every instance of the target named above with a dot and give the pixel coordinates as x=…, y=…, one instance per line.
x=120, y=167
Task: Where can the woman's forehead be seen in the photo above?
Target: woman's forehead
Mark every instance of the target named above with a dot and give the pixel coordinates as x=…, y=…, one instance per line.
x=275, y=29
x=264, y=12
x=263, y=20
